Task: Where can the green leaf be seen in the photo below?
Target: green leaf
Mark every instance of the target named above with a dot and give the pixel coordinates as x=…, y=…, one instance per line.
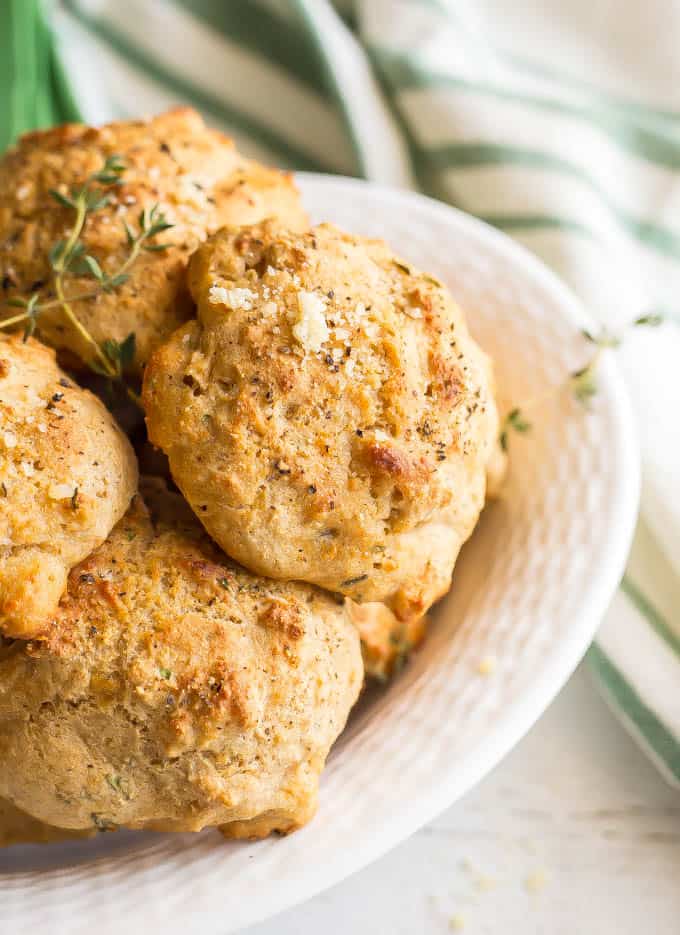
x=95, y=201
x=164, y=673
x=110, y=284
x=127, y=350
x=98, y=368
x=159, y=226
x=121, y=354
x=115, y=783
x=63, y=200
x=603, y=339
x=583, y=383
x=115, y=163
x=129, y=234
x=71, y=259
x=110, y=173
x=17, y=302
x=56, y=254
x=88, y=265
x=156, y=247
x=518, y=422
x=515, y=421
x=652, y=320
x=111, y=348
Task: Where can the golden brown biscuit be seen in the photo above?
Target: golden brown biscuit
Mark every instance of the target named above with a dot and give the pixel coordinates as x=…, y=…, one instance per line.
x=16, y=827
x=328, y=416
x=174, y=690
x=67, y=475
x=193, y=173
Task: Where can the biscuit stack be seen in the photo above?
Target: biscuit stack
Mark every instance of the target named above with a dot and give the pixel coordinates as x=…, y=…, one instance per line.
x=328, y=424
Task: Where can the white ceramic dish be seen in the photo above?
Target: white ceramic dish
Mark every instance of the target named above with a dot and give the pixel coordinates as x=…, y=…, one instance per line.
x=528, y=593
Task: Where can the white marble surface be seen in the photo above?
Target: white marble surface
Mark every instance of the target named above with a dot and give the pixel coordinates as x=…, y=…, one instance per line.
x=573, y=834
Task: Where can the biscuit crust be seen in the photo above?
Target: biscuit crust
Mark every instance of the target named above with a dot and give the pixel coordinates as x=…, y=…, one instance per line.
x=174, y=690
x=328, y=416
x=67, y=475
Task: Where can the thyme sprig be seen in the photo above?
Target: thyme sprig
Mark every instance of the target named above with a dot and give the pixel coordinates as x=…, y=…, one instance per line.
x=515, y=421
x=582, y=383
x=69, y=257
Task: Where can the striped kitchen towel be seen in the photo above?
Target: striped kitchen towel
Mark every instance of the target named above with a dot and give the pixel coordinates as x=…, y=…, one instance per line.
x=557, y=122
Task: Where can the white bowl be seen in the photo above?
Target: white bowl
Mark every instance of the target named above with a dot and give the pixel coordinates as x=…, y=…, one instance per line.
x=528, y=594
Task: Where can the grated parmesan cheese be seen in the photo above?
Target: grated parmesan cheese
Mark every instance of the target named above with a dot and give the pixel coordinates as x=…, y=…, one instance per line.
x=60, y=491
x=311, y=329
x=232, y=298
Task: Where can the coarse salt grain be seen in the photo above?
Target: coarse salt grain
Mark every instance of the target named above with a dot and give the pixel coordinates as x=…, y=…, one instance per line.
x=27, y=468
x=9, y=439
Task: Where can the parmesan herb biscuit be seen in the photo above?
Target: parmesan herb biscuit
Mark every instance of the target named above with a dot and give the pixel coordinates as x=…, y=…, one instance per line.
x=194, y=175
x=67, y=475
x=174, y=690
x=328, y=416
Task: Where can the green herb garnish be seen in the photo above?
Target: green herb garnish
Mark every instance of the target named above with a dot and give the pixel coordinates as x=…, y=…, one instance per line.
x=515, y=422
x=115, y=783
x=582, y=383
x=68, y=258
